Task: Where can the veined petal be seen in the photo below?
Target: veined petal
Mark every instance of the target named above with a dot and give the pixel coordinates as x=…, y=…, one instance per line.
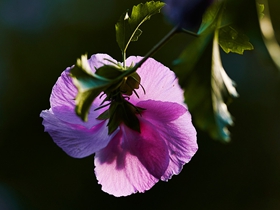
x=98, y=60
x=75, y=137
x=68, y=115
x=119, y=172
x=173, y=123
x=162, y=111
x=64, y=91
x=148, y=146
x=181, y=142
x=76, y=140
x=159, y=82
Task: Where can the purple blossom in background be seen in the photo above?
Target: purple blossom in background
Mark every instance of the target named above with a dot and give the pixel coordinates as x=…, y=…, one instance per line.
x=127, y=161
x=186, y=13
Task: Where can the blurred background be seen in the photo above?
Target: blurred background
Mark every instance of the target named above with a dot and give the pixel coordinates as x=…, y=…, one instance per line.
x=40, y=38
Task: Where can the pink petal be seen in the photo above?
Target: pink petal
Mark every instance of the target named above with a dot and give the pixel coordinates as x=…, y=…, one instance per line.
x=148, y=146
x=75, y=137
x=181, y=142
x=68, y=115
x=98, y=60
x=162, y=111
x=64, y=91
x=132, y=162
x=119, y=172
x=159, y=82
x=176, y=129
x=76, y=140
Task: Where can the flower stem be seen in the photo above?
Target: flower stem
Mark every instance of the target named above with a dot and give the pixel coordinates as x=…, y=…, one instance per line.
x=124, y=58
x=189, y=32
x=162, y=42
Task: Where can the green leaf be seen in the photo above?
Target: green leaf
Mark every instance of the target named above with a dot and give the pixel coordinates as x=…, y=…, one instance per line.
x=207, y=88
x=89, y=86
x=209, y=18
x=105, y=79
x=223, y=91
x=127, y=28
x=231, y=40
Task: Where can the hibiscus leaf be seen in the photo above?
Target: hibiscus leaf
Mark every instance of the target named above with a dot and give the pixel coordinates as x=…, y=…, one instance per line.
x=89, y=86
x=231, y=40
x=127, y=28
x=207, y=88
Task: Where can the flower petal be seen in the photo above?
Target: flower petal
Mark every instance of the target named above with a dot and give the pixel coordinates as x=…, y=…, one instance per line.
x=159, y=82
x=148, y=146
x=68, y=115
x=181, y=142
x=64, y=91
x=162, y=111
x=176, y=129
x=98, y=60
x=132, y=161
x=76, y=140
x=119, y=172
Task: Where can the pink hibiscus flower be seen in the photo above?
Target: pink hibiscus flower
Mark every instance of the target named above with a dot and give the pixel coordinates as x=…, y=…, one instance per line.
x=127, y=161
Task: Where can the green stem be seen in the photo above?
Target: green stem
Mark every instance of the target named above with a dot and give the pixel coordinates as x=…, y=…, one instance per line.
x=189, y=32
x=162, y=42
x=124, y=58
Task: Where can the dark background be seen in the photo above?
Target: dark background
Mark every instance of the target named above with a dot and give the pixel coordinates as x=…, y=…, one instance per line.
x=40, y=38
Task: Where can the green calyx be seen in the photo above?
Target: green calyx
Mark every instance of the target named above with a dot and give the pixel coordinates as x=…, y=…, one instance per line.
x=121, y=111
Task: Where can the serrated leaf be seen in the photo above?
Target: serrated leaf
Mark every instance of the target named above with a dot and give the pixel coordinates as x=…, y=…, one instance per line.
x=207, y=88
x=231, y=40
x=127, y=28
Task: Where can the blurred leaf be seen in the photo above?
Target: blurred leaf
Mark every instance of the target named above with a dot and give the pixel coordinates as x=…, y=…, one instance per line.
x=109, y=72
x=127, y=28
x=260, y=9
x=234, y=41
x=210, y=16
x=268, y=33
x=207, y=88
x=223, y=90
